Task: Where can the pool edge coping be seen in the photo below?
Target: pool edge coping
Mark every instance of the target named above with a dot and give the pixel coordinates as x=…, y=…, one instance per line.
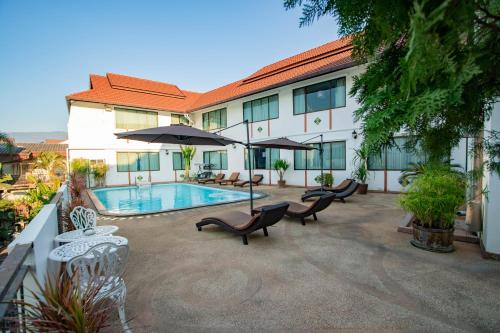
x=104, y=212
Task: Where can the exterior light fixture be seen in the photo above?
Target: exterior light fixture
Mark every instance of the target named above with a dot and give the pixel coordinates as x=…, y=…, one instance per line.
x=354, y=134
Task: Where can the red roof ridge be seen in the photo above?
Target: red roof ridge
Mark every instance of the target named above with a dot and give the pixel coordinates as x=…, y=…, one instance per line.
x=131, y=83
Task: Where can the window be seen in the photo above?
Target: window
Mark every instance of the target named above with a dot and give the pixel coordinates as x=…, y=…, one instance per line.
x=320, y=96
x=397, y=157
x=138, y=161
x=178, y=119
x=214, y=119
x=263, y=158
x=135, y=119
x=178, y=161
x=261, y=109
x=217, y=158
x=333, y=157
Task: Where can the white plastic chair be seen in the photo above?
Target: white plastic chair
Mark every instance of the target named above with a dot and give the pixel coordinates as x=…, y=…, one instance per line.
x=83, y=218
x=104, y=264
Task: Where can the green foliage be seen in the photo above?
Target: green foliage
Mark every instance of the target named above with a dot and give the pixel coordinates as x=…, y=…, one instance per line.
x=80, y=166
x=361, y=164
x=188, y=153
x=281, y=166
x=3, y=182
x=50, y=161
x=432, y=67
x=326, y=180
x=99, y=172
x=434, y=196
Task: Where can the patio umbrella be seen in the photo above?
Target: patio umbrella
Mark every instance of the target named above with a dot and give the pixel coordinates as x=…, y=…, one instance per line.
x=187, y=135
x=177, y=134
x=282, y=143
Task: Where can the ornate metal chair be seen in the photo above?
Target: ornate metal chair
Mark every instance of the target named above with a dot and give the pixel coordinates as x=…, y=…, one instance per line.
x=83, y=218
x=104, y=264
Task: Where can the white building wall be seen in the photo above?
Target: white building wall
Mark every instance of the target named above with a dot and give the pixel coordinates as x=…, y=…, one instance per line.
x=491, y=202
x=91, y=131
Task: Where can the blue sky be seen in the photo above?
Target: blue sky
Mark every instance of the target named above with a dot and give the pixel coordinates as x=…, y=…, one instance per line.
x=48, y=48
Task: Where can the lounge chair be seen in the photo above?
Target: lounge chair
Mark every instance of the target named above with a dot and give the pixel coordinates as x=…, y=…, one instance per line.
x=338, y=196
x=231, y=180
x=242, y=224
x=217, y=178
x=336, y=189
x=256, y=179
x=300, y=211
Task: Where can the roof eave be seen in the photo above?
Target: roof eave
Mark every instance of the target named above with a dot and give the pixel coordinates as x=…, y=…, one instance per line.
x=281, y=84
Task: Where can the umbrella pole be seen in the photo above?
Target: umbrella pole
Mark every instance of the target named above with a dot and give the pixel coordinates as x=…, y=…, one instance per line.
x=321, y=159
x=249, y=154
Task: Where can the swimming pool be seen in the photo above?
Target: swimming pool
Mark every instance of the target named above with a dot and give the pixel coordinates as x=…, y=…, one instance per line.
x=133, y=200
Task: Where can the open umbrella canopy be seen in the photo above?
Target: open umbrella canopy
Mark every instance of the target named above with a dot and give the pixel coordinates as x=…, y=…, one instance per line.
x=282, y=143
x=177, y=134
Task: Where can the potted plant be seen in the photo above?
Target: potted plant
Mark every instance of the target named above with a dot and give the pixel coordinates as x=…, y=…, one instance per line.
x=361, y=169
x=188, y=153
x=433, y=197
x=325, y=180
x=281, y=166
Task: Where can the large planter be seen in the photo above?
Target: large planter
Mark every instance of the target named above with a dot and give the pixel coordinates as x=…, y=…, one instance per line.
x=281, y=183
x=362, y=188
x=436, y=240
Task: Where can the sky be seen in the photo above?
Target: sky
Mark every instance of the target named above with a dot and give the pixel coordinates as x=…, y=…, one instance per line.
x=49, y=48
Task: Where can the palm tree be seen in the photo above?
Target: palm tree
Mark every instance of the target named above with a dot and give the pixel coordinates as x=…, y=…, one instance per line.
x=50, y=161
x=7, y=140
x=188, y=154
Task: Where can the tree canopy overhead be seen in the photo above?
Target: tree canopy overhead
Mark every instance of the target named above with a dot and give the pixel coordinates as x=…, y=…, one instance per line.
x=432, y=66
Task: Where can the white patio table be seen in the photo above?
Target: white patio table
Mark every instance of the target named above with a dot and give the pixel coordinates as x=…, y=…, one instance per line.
x=74, y=235
x=68, y=251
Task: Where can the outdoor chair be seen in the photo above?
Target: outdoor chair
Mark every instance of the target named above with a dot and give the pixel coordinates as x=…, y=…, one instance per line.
x=83, y=218
x=350, y=190
x=103, y=266
x=256, y=179
x=339, y=188
x=217, y=178
x=242, y=224
x=231, y=180
x=300, y=211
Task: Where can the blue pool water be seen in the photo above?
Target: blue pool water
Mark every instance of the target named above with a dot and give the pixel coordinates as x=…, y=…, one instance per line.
x=164, y=197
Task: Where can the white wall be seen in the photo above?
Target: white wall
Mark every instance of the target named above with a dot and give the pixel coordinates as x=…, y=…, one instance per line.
x=491, y=203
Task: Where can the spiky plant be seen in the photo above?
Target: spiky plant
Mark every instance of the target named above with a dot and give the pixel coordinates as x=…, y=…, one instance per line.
x=188, y=153
x=62, y=305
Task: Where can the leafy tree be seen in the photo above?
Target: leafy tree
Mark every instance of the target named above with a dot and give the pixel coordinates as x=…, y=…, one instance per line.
x=50, y=161
x=432, y=67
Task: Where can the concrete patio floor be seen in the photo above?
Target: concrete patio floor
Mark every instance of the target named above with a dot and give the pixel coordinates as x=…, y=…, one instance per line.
x=348, y=271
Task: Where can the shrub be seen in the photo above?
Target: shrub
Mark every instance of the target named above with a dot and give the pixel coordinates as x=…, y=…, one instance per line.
x=99, y=172
x=434, y=196
x=326, y=180
x=80, y=166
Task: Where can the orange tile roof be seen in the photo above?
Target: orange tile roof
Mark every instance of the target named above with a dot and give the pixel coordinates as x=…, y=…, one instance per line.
x=129, y=91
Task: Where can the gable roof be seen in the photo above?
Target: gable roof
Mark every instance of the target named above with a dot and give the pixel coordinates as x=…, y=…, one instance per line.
x=135, y=92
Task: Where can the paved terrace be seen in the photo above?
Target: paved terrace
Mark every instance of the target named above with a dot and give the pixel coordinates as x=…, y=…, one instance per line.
x=350, y=270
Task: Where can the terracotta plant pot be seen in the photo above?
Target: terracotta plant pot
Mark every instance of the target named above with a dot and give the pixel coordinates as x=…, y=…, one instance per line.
x=362, y=188
x=281, y=183
x=436, y=240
